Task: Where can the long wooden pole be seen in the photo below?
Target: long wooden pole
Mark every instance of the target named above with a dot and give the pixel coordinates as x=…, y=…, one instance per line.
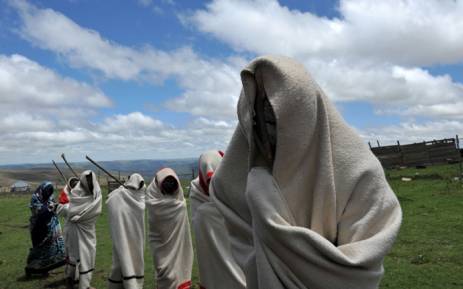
x=105, y=171
x=69, y=166
x=60, y=172
x=459, y=154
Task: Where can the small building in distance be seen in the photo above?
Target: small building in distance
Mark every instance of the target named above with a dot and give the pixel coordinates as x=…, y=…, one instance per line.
x=20, y=187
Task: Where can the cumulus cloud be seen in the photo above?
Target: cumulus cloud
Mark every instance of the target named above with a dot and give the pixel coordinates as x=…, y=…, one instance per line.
x=33, y=97
x=409, y=32
x=23, y=81
x=145, y=3
x=131, y=136
x=209, y=85
x=393, y=89
x=371, y=52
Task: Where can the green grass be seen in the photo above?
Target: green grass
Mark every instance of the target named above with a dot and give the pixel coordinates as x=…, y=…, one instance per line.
x=15, y=242
x=429, y=249
x=427, y=254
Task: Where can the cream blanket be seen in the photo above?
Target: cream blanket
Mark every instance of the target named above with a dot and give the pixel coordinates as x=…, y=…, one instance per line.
x=63, y=206
x=84, y=208
x=169, y=234
x=217, y=268
x=324, y=216
x=126, y=212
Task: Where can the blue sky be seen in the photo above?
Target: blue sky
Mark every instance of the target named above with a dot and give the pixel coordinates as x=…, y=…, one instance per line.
x=160, y=78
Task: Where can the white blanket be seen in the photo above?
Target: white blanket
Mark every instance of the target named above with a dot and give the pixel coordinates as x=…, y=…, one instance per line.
x=84, y=208
x=126, y=212
x=169, y=234
x=63, y=206
x=217, y=268
x=323, y=216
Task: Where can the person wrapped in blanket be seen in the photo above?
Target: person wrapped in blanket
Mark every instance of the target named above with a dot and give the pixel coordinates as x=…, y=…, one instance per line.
x=84, y=209
x=63, y=199
x=306, y=203
x=47, y=250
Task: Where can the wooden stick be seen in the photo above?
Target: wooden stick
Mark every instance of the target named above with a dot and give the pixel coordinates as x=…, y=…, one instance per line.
x=105, y=171
x=60, y=172
x=69, y=166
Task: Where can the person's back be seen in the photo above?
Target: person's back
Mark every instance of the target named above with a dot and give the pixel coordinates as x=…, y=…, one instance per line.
x=126, y=214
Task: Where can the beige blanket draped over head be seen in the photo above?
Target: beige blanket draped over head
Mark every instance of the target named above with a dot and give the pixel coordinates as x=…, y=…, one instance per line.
x=62, y=209
x=84, y=208
x=169, y=234
x=217, y=268
x=324, y=216
x=126, y=212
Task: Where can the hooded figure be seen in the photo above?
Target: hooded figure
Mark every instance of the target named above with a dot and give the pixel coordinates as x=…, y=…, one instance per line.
x=63, y=200
x=305, y=202
x=84, y=208
x=126, y=211
x=169, y=231
x=217, y=268
x=47, y=250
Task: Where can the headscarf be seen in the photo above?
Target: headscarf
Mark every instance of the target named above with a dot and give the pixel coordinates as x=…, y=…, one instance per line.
x=126, y=212
x=44, y=191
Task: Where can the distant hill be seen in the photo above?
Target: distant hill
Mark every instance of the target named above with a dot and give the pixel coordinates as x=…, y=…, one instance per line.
x=36, y=173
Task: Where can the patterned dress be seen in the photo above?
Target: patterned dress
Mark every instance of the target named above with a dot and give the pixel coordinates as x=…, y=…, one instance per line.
x=47, y=250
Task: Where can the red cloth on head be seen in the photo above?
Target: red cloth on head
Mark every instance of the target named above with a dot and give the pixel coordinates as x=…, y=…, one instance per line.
x=63, y=197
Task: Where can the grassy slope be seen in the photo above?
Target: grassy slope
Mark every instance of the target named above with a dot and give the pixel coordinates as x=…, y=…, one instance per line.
x=429, y=250
x=428, y=253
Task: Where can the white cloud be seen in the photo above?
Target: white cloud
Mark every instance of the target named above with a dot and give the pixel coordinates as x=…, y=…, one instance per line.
x=412, y=32
x=27, y=83
x=392, y=89
x=145, y=3
x=36, y=99
x=368, y=54
x=131, y=136
x=210, y=86
x=132, y=123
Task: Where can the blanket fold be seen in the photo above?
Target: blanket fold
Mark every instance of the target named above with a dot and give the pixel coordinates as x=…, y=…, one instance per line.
x=84, y=209
x=169, y=233
x=217, y=267
x=321, y=214
x=126, y=213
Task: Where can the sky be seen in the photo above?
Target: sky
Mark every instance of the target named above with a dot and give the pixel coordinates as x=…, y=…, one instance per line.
x=155, y=79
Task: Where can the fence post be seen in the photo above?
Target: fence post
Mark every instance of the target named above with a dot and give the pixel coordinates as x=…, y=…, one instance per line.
x=401, y=153
x=459, y=154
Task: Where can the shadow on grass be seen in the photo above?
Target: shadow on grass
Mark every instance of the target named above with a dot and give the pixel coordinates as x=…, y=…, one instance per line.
x=33, y=277
x=57, y=283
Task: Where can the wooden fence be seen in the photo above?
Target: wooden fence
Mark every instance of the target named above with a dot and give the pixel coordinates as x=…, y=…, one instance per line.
x=419, y=154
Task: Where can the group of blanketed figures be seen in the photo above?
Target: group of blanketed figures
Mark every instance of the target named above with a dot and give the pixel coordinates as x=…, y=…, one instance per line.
x=297, y=201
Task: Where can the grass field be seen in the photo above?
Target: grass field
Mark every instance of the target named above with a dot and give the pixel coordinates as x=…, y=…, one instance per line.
x=428, y=252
